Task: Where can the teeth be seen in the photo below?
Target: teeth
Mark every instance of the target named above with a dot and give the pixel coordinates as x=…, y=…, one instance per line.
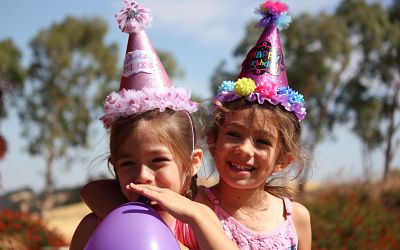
x=241, y=168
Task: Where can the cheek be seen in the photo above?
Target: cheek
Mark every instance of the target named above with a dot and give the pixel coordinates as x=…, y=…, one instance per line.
x=221, y=151
x=169, y=178
x=125, y=177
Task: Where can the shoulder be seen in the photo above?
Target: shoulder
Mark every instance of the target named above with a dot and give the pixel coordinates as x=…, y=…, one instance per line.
x=84, y=230
x=208, y=211
x=301, y=214
x=202, y=197
x=302, y=223
x=205, y=204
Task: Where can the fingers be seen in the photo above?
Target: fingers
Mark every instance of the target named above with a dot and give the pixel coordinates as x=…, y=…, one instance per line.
x=151, y=192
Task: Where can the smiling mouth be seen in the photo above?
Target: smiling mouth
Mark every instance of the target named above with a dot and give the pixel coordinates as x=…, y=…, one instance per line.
x=241, y=168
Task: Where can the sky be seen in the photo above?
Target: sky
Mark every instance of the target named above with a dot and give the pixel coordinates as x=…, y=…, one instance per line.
x=199, y=34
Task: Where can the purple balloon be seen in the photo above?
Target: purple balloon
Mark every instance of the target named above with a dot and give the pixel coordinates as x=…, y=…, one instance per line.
x=133, y=225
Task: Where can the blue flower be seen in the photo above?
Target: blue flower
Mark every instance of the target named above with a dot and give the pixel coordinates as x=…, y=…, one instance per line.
x=283, y=21
x=226, y=86
x=293, y=96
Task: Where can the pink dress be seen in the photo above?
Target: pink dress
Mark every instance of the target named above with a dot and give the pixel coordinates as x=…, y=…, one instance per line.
x=184, y=233
x=283, y=237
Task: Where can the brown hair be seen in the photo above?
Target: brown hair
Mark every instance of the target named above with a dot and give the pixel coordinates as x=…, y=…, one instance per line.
x=174, y=128
x=286, y=123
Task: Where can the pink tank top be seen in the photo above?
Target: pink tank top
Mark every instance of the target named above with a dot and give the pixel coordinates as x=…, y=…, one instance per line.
x=284, y=237
x=184, y=233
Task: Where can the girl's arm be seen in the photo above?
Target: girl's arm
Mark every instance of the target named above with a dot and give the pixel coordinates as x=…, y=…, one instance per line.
x=102, y=196
x=302, y=222
x=204, y=223
x=83, y=232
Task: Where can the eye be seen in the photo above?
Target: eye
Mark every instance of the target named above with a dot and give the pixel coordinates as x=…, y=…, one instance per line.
x=126, y=164
x=263, y=142
x=160, y=159
x=233, y=134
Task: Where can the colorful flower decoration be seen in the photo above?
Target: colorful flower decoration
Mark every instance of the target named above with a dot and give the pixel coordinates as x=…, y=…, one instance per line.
x=226, y=86
x=274, y=13
x=133, y=17
x=245, y=87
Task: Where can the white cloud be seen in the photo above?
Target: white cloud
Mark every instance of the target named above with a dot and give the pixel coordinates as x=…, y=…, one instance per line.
x=216, y=21
x=213, y=21
x=209, y=21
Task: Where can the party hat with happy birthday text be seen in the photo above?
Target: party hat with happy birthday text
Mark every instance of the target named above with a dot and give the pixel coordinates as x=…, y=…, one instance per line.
x=263, y=75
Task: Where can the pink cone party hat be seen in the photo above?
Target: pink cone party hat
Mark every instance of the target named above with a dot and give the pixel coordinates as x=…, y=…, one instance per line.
x=142, y=67
x=145, y=84
x=263, y=75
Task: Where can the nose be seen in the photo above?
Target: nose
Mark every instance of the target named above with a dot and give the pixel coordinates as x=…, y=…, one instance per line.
x=245, y=148
x=145, y=175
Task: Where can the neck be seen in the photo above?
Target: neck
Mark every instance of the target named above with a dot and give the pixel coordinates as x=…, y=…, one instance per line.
x=233, y=199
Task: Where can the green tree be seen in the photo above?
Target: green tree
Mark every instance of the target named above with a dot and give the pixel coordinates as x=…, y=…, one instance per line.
x=11, y=80
x=317, y=54
x=71, y=64
x=375, y=104
x=11, y=72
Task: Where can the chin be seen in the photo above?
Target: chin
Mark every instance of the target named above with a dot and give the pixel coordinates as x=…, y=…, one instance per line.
x=243, y=184
x=131, y=196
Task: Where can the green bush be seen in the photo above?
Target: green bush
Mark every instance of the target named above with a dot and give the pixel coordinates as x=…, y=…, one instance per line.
x=351, y=219
x=391, y=198
x=20, y=230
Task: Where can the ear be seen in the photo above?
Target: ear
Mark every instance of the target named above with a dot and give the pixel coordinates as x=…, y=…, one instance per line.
x=197, y=158
x=282, y=163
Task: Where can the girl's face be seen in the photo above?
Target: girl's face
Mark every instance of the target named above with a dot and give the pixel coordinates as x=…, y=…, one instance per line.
x=245, y=153
x=143, y=159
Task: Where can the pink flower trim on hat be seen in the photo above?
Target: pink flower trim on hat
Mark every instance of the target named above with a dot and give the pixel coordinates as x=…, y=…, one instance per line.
x=129, y=102
x=291, y=100
x=133, y=17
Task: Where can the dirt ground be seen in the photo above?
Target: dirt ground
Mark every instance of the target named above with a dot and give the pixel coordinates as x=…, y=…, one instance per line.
x=66, y=219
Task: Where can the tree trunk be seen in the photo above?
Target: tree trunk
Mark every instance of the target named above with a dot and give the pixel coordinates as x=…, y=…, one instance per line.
x=390, y=133
x=45, y=201
x=323, y=112
x=366, y=161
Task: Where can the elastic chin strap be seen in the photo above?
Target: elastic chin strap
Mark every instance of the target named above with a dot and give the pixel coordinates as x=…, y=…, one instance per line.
x=191, y=156
x=192, y=128
x=184, y=178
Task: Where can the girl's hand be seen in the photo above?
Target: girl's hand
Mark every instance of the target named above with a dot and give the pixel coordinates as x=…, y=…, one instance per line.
x=205, y=224
x=175, y=204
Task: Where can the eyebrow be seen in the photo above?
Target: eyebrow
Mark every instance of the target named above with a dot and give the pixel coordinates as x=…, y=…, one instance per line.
x=263, y=132
x=156, y=151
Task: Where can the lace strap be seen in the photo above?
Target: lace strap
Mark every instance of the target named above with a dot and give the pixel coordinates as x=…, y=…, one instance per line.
x=211, y=196
x=287, y=206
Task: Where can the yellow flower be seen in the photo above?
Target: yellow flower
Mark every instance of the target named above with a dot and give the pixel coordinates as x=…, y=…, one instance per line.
x=244, y=86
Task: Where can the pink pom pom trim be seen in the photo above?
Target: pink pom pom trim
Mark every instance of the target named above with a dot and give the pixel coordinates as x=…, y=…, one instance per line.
x=274, y=6
x=133, y=17
x=129, y=102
